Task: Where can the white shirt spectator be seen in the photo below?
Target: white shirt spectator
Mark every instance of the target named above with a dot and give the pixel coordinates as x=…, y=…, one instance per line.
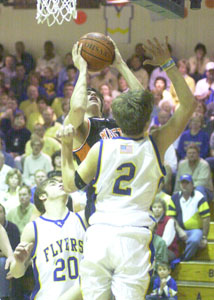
x=32, y=164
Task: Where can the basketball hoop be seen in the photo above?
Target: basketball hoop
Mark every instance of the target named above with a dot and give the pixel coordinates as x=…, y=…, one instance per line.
x=55, y=11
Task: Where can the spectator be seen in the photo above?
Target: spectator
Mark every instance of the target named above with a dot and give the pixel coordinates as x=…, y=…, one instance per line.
x=198, y=62
x=65, y=109
x=72, y=73
x=36, y=117
x=34, y=79
x=17, y=136
x=35, y=161
x=56, y=163
x=29, y=106
x=62, y=77
x=104, y=76
x=165, y=228
x=51, y=127
x=57, y=103
x=40, y=175
x=21, y=214
x=9, y=70
x=10, y=198
x=122, y=84
x=157, y=72
x=140, y=52
x=24, y=57
x=160, y=86
x=106, y=90
x=191, y=211
x=4, y=169
x=49, y=83
x=8, y=159
x=165, y=286
x=183, y=67
x=198, y=168
x=6, y=254
x=140, y=73
x=19, y=83
x=9, y=289
x=7, y=117
x=205, y=86
x=50, y=146
x=50, y=59
x=195, y=134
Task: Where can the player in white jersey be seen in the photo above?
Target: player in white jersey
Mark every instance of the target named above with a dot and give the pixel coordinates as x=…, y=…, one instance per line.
x=54, y=241
x=127, y=172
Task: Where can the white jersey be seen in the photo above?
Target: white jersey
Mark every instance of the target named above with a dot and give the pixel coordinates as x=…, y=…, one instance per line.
x=56, y=255
x=127, y=179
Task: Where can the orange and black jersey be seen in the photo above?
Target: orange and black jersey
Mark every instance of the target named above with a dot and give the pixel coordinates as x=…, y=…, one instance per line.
x=98, y=128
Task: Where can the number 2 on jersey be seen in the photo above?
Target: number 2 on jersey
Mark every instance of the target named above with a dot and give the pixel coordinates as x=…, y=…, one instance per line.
x=72, y=265
x=130, y=168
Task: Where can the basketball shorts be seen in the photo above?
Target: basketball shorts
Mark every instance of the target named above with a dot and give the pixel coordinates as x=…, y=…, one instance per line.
x=116, y=259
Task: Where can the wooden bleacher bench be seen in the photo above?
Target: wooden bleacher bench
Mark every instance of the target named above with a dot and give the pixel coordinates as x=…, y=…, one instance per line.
x=195, y=278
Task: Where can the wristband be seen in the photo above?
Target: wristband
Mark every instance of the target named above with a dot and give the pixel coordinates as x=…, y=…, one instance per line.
x=168, y=65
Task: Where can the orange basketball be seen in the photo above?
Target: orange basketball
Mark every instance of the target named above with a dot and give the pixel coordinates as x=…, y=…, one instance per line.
x=97, y=50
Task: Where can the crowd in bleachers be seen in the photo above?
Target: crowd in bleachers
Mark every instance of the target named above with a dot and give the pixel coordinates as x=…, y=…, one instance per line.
x=34, y=100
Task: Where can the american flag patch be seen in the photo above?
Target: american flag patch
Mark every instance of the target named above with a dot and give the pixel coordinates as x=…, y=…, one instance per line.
x=125, y=149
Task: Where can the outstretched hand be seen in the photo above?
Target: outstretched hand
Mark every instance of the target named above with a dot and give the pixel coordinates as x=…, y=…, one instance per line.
x=23, y=251
x=159, y=52
x=78, y=60
x=66, y=134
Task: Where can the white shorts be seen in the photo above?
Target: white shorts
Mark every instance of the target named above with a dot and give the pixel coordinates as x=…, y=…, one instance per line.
x=117, y=259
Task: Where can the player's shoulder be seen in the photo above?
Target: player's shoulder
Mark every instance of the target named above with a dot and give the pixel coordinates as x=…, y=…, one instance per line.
x=79, y=218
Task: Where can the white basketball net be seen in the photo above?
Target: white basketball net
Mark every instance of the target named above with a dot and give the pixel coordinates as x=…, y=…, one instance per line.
x=55, y=11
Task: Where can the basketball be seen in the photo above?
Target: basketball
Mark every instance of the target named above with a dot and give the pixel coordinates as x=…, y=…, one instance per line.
x=97, y=50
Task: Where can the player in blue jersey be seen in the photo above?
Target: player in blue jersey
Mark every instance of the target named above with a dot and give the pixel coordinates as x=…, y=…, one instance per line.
x=127, y=172
x=54, y=242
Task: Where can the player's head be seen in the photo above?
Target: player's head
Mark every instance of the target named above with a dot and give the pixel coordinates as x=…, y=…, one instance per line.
x=94, y=95
x=132, y=111
x=50, y=188
x=163, y=270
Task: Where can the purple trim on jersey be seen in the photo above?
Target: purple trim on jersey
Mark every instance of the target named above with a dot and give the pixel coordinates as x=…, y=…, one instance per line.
x=158, y=155
x=58, y=222
x=36, y=239
x=81, y=220
x=37, y=286
x=99, y=160
x=127, y=138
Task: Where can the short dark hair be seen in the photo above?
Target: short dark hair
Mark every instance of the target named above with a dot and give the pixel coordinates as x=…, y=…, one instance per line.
x=161, y=78
x=54, y=155
x=132, y=111
x=202, y=47
x=24, y=186
x=193, y=146
x=164, y=264
x=98, y=94
x=40, y=190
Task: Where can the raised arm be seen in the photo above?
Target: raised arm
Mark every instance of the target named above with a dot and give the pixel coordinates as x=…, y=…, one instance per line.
x=86, y=170
x=78, y=102
x=22, y=252
x=167, y=134
x=123, y=69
